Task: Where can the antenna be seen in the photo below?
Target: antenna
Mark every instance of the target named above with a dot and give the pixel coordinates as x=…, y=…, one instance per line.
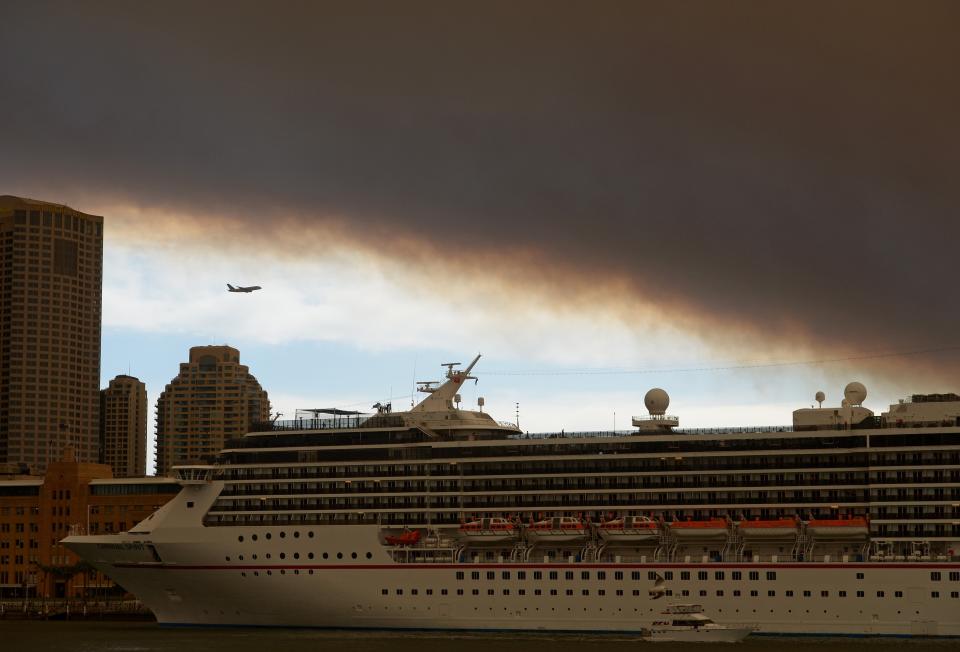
x=413, y=382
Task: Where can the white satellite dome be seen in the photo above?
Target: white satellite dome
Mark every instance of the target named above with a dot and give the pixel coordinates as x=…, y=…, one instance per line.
x=657, y=401
x=855, y=393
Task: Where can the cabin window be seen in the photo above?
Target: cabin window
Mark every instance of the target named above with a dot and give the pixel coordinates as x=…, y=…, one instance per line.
x=859, y=594
x=491, y=575
x=736, y=593
x=652, y=575
x=585, y=575
x=879, y=594
x=537, y=592
x=935, y=594
x=489, y=591
x=898, y=594
x=505, y=575
x=684, y=575
x=475, y=575
x=754, y=575
x=619, y=591
x=476, y=591
x=754, y=593
x=537, y=575
x=459, y=575
x=703, y=593
x=719, y=575
x=568, y=575
x=618, y=575
x=384, y=591
x=553, y=591
x=859, y=576
x=601, y=575
x=789, y=594
x=736, y=575
x=842, y=594
x=601, y=592
x=702, y=575
x=771, y=575
x=459, y=591
x=637, y=592
x=935, y=576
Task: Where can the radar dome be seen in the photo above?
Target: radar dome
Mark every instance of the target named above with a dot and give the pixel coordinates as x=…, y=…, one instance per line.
x=855, y=393
x=657, y=401
x=820, y=397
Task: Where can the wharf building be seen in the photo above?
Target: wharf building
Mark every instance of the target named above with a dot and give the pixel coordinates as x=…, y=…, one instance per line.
x=51, y=270
x=37, y=512
x=123, y=426
x=214, y=398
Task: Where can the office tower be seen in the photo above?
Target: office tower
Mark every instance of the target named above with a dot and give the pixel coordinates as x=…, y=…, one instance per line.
x=51, y=269
x=213, y=399
x=123, y=426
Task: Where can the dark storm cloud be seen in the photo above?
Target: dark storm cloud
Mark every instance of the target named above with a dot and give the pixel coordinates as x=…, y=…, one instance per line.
x=789, y=169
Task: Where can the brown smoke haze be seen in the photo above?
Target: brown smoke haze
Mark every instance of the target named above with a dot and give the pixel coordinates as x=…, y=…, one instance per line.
x=772, y=177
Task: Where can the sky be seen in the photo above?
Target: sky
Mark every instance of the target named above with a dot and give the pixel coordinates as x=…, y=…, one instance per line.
x=667, y=191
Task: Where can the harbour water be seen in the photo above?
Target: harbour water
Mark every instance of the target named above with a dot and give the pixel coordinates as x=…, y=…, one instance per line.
x=34, y=636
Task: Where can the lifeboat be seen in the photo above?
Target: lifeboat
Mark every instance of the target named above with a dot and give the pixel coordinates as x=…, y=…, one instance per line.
x=714, y=528
x=779, y=528
x=406, y=538
x=488, y=530
x=839, y=528
x=557, y=529
x=629, y=529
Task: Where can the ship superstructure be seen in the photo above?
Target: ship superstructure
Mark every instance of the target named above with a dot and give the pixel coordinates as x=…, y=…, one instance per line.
x=438, y=517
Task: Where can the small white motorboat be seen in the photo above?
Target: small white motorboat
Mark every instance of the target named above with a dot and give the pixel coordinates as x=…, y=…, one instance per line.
x=687, y=623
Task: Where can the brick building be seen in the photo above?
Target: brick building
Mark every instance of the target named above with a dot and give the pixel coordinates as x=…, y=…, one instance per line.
x=37, y=512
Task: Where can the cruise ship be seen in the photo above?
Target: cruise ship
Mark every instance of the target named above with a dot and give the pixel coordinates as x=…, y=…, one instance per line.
x=844, y=523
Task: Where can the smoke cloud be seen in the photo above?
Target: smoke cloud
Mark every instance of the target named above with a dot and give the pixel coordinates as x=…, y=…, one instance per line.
x=769, y=175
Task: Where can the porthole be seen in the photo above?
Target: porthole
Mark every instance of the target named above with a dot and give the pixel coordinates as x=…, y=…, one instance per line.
x=310, y=534
x=228, y=559
x=296, y=555
x=369, y=555
x=269, y=572
x=283, y=535
x=325, y=555
x=309, y=555
x=256, y=573
x=283, y=555
x=254, y=537
x=240, y=557
x=353, y=555
x=283, y=572
x=240, y=538
x=296, y=534
x=268, y=555
x=310, y=572
x=339, y=555
x=254, y=556
x=268, y=536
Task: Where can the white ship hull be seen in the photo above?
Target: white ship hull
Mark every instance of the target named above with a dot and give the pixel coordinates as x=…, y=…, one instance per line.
x=201, y=579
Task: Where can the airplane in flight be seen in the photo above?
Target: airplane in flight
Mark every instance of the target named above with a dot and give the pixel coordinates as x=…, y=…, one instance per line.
x=251, y=288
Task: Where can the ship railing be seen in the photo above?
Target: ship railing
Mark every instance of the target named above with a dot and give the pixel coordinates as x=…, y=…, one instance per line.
x=676, y=431
x=335, y=423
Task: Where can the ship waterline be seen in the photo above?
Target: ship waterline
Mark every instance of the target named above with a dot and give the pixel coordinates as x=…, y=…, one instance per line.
x=441, y=518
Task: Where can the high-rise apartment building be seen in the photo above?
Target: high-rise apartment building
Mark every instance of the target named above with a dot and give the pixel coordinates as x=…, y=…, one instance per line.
x=213, y=399
x=51, y=270
x=123, y=426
